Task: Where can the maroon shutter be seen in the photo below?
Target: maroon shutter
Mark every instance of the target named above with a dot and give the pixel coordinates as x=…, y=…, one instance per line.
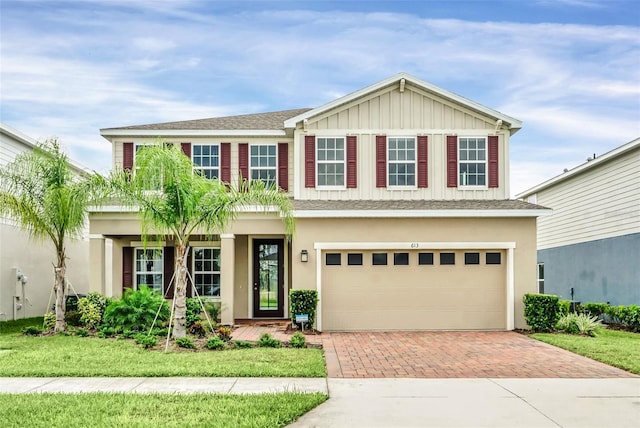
x=225, y=162
x=186, y=149
x=190, y=292
x=127, y=268
x=423, y=161
x=381, y=161
x=452, y=161
x=127, y=156
x=309, y=161
x=493, y=161
x=243, y=160
x=283, y=166
x=352, y=161
x=168, y=269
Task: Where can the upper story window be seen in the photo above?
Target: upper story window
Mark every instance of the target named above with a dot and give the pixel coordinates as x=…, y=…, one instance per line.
x=472, y=169
x=206, y=159
x=149, y=268
x=330, y=161
x=263, y=163
x=402, y=161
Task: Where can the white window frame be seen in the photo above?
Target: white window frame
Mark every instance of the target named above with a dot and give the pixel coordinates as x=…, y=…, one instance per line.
x=205, y=168
x=274, y=182
x=334, y=162
x=136, y=271
x=402, y=162
x=484, y=162
x=135, y=168
x=211, y=272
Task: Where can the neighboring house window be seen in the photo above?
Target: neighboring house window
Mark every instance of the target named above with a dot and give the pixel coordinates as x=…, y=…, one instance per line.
x=149, y=268
x=206, y=271
x=263, y=163
x=330, y=161
x=541, y=278
x=206, y=159
x=472, y=161
x=402, y=161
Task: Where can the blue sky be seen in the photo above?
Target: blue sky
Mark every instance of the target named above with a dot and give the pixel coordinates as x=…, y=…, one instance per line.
x=569, y=69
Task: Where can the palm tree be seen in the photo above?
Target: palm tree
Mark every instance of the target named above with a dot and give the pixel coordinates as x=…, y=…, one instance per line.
x=175, y=202
x=41, y=192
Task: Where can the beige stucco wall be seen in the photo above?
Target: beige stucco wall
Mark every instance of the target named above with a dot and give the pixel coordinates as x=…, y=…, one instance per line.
x=522, y=231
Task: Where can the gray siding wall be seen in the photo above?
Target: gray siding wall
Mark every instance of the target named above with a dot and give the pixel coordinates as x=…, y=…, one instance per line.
x=605, y=270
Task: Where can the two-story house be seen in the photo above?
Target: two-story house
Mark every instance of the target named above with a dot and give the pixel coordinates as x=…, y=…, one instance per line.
x=403, y=216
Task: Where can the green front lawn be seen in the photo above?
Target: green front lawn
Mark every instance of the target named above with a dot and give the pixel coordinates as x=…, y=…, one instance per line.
x=153, y=410
x=614, y=347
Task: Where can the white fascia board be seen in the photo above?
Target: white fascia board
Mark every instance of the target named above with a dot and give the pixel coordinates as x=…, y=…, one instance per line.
x=514, y=124
x=113, y=209
x=193, y=133
x=419, y=213
x=414, y=245
x=581, y=168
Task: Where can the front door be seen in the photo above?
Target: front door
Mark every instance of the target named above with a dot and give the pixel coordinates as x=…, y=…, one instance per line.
x=268, y=278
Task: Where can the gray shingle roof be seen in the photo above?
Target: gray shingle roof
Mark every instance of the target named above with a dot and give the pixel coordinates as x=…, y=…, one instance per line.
x=261, y=121
x=506, y=204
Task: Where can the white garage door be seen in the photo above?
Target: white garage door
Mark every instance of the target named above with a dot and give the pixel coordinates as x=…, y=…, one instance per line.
x=413, y=290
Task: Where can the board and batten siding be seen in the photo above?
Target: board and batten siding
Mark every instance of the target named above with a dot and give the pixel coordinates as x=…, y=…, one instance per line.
x=602, y=202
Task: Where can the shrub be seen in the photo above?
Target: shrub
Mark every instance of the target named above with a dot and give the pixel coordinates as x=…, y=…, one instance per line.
x=91, y=309
x=615, y=313
x=630, y=316
x=146, y=340
x=198, y=328
x=215, y=343
x=213, y=309
x=594, y=309
x=224, y=333
x=128, y=334
x=31, y=330
x=242, y=344
x=159, y=331
x=303, y=302
x=194, y=310
x=541, y=311
x=298, y=340
x=266, y=341
x=82, y=332
x=564, y=307
x=578, y=324
x=136, y=310
x=185, y=342
x=49, y=322
x=73, y=318
x=106, y=331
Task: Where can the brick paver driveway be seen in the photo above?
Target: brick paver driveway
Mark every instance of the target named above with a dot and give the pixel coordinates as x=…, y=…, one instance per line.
x=449, y=354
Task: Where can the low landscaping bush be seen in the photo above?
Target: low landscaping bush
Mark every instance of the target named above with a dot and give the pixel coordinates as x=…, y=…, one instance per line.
x=629, y=316
x=136, y=310
x=198, y=329
x=242, y=344
x=194, y=310
x=146, y=340
x=73, y=318
x=185, y=342
x=224, y=333
x=32, y=330
x=298, y=340
x=564, y=306
x=578, y=324
x=541, y=311
x=91, y=309
x=266, y=341
x=215, y=343
x=106, y=331
x=49, y=322
x=82, y=332
x=594, y=309
x=303, y=302
x=213, y=310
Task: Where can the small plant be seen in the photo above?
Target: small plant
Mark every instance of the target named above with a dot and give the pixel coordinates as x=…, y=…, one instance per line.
x=91, y=309
x=215, y=343
x=159, y=331
x=303, y=302
x=106, y=331
x=73, y=318
x=185, y=342
x=82, y=332
x=242, y=344
x=594, y=309
x=578, y=324
x=266, y=341
x=146, y=340
x=213, y=309
x=128, y=334
x=49, y=321
x=32, y=330
x=541, y=311
x=198, y=329
x=224, y=333
x=136, y=310
x=298, y=340
x=194, y=311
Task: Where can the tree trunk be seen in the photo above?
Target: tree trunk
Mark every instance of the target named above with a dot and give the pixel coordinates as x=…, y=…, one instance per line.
x=60, y=290
x=180, y=295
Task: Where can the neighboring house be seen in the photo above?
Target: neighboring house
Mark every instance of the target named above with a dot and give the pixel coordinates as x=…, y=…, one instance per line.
x=31, y=258
x=589, y=249
x=403, y=217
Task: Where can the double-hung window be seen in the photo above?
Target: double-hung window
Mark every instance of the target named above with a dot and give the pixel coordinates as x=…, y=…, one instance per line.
x=331, y=161
x=402, y=161
x=263, y=163
x=473, y=161
x=206, y=159
x=206, y=271
x=149, y=268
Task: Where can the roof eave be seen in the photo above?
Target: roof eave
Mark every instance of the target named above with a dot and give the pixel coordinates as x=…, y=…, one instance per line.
x=421, y=213
x=192, y=132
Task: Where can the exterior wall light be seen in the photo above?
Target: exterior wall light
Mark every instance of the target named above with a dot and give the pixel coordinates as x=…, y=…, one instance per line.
x=304, y=256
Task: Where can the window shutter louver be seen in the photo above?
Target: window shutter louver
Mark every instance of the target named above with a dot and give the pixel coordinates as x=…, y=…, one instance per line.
x=190, y=292
x=452, y=161
x=423, y=161
x=186, y=149
x=127, y=156
x=309, y=161
x=168, y=269
x=283, y=166
x=225, y=162
x=381, y=161
x=493, y=161
x=127, y=267
x=243, y=160
x=352, y=161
